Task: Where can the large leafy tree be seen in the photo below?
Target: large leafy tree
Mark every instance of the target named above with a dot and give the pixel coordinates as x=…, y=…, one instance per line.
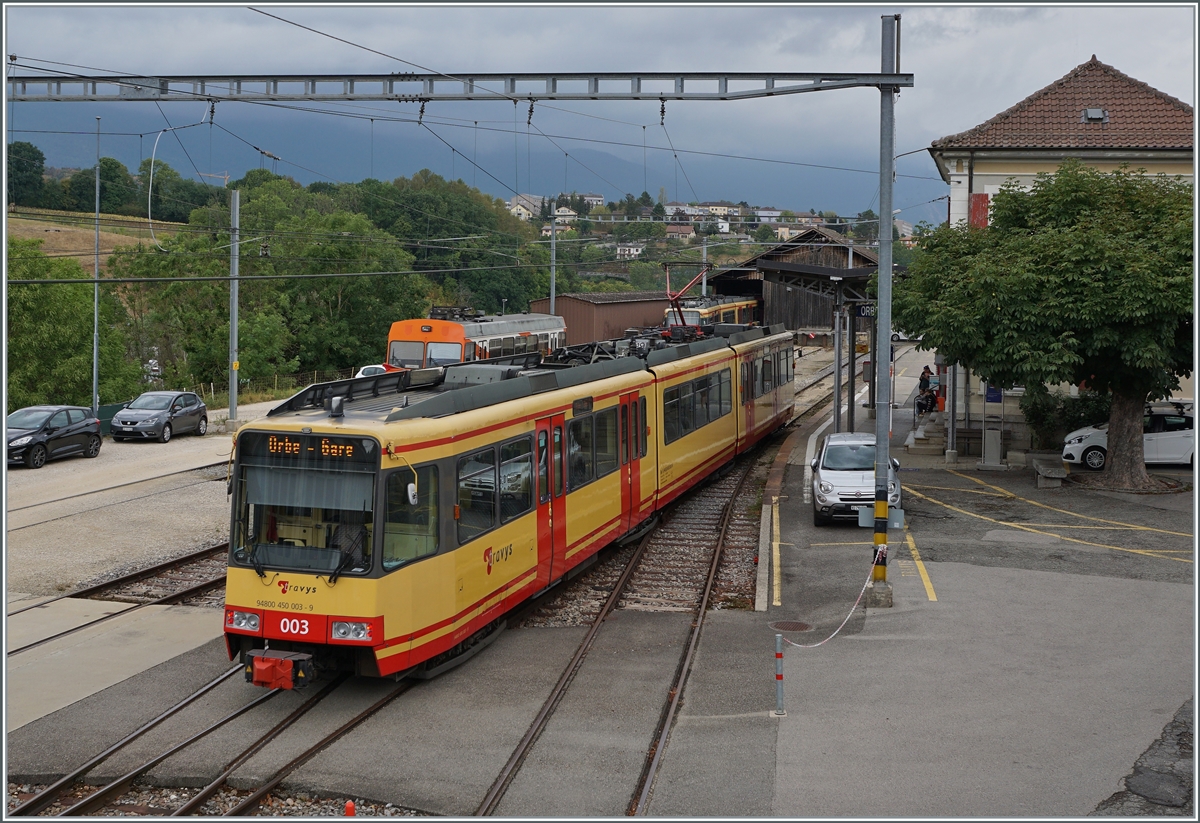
x=1086, y=278
x=50, y=334
x=26, y=164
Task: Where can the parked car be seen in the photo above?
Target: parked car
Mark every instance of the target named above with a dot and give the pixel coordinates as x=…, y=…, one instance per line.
x=844, y=478
x=370, y=371
x=40, y=433
x=1168, y=436
x=157, y=415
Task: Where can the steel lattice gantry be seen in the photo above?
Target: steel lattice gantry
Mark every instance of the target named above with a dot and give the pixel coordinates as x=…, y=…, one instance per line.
x=417, y=88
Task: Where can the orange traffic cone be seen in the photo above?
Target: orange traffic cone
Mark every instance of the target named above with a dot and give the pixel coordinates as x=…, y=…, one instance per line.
x=349, y=808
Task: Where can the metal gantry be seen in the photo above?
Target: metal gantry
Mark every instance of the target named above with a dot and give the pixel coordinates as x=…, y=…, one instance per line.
x=419, y=88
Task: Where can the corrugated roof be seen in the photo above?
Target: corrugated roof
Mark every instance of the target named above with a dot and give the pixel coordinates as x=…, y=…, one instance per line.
x=1137, y=116
x=616, y=296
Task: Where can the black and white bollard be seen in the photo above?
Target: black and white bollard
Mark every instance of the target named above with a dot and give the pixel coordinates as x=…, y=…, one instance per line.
x=779, y=712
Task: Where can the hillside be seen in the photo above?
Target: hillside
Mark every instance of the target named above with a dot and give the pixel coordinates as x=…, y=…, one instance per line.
x=71, y=234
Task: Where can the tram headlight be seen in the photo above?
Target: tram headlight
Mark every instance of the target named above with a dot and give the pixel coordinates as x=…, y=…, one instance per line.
x=345, y=630
x=246, y=621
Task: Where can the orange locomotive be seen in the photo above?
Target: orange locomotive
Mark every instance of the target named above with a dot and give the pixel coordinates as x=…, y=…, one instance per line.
x=457, y=335
x=385, y=525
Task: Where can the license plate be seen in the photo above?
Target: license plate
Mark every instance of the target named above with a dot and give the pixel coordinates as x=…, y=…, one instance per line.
x=126, y=428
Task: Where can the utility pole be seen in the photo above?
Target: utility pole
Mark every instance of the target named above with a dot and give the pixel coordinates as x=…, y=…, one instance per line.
x=837, y=354
x=553, y=238
x=704, y=277
x=881, y=592
x=235, y=220
x=96, y=292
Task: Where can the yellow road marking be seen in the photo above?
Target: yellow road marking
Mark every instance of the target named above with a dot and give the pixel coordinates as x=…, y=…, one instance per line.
x=855, y=543
x=1144, y=552
x=1069, y=526
x=776, y=567
x=912, y=547
x=956, y=489
x=1007, y=493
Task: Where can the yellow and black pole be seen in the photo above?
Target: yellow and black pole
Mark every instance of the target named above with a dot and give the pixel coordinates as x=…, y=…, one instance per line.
x=881, y=592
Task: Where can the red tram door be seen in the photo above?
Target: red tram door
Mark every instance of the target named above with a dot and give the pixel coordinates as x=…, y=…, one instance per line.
x=631, y=453
x=551, y=497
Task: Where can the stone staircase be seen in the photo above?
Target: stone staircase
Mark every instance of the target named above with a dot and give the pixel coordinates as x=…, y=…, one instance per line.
x=929, y=435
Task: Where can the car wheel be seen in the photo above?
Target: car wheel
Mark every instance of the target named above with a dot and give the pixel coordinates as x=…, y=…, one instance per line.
x=93, y=446
x=166, y=433
x=895, y=338
x=118, y=439
x=1094, y=458
x=35, y=458
x=202, y=427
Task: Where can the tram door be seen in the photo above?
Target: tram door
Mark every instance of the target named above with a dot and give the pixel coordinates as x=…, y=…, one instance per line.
x=551, y=497
x=631, y=453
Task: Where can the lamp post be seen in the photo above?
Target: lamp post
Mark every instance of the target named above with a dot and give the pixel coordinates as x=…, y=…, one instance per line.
x=96, y=292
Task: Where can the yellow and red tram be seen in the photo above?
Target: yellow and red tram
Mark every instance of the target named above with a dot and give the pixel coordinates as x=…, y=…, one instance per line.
x=385, y=525
x=710, y=310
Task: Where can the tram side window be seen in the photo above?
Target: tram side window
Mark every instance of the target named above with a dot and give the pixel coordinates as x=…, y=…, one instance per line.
x=671, y=430
x=516, y=478
x=410, y=532
x=729, y=316
x=768, y=364
x=580, y=460
x=544, y=343
x=726, y=392
x=606, y=441
x=700, y=395
x=476, y=494
x=543, y=464
x=508, y=347
x=494, y=347
x=644, y=427
x=714, y=396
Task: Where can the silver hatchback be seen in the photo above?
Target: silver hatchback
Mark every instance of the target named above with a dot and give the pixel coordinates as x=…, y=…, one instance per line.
x=157, y=415
x=843, y=478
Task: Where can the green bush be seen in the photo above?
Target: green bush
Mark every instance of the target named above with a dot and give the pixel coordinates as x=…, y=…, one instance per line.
x=1052, y=415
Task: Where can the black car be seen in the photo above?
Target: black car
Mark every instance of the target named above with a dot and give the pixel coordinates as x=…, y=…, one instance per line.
x=40, y=433
x=156, y=415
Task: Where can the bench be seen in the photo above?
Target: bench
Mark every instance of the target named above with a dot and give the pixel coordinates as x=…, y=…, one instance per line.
x=1050, y=473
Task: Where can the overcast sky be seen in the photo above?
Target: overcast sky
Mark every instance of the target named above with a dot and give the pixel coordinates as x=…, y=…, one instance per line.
x=969, y=64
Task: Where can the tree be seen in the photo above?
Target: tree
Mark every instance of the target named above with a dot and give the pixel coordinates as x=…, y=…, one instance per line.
x=658, y=210
x=26, y=164
x=645, y=200
x=867, y=227
x=1084, y=279
x=118, y=192
x=764, y=234
x=50, y=335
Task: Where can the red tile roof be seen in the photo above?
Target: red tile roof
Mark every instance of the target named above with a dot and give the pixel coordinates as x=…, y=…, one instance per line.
x=1136, y=116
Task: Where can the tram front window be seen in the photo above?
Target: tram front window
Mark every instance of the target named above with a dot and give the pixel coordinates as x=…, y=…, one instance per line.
x=406, y=354
x=441, y=354
x=690, y=318
x=304, y=503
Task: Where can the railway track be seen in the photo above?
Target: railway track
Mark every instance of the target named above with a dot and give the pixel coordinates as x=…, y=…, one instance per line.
x=198, y=576
x=101, y=490
x=674, y=568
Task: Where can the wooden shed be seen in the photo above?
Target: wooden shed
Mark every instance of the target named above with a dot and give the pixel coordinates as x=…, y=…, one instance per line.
x=815, y=250
x=604, y=315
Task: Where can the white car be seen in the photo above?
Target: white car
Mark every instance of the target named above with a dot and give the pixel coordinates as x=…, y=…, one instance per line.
x=844, y=478
x=1168, y=436
x=370, y=371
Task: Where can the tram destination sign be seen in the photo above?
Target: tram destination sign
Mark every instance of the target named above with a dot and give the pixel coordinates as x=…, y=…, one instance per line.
x=284, y=448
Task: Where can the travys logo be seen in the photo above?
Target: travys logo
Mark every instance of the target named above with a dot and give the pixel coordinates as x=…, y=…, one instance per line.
x=284, y=585
x=496, y=556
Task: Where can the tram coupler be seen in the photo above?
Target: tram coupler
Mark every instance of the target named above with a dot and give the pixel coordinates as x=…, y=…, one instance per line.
x=279, y=670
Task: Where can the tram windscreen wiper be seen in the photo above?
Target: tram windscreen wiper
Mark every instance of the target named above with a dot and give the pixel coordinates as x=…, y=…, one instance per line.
x=259, y=569
x=347, y=556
